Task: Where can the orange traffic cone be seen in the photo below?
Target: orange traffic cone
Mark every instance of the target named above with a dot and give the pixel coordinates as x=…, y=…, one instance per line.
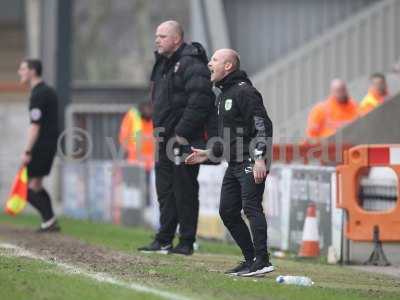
x=310, y=243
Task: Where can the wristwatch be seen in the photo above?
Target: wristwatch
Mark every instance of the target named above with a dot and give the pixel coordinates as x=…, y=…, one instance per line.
x=258, y=154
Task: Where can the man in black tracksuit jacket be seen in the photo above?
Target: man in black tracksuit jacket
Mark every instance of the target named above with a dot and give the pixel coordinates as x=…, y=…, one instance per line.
x=183, y=100
x=246, y=130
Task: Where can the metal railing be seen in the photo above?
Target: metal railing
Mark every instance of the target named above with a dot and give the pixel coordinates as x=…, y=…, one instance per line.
x=92, y=130
x=368, y=42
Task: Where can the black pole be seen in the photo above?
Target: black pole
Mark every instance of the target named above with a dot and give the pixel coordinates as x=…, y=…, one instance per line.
x=63, y=59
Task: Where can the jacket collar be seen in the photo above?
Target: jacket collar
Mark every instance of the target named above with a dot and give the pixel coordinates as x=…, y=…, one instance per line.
x=232, y=79
x=177, y=54
x=174, y=57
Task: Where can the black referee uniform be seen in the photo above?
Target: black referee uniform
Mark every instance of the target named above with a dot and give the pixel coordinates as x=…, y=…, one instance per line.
x=43, y=110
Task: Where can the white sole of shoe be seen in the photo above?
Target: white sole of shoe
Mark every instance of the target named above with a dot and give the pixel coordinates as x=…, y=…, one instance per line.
x=235, y=273
x=157, y=252
x=260, y=272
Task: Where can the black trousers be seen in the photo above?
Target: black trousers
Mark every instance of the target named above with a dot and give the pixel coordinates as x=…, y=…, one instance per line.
x=178, y=196
x=239, y=191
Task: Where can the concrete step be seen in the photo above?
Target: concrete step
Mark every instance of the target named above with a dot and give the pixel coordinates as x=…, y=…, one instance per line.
x=13, y=37
x=12, y=50
x=10, y=65
x=10, y=62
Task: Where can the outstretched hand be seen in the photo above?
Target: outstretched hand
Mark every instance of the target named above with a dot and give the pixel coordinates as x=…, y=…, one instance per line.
x=198, y=156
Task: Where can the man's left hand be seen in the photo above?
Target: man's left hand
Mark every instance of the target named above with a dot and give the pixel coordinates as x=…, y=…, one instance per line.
x=26, y=158
x=259, y=171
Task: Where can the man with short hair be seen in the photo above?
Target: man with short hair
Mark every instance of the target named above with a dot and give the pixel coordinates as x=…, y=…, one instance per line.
x=41, y=146
x=377, y=93
x=182, y=99
x=246, y=130
x=335, y=112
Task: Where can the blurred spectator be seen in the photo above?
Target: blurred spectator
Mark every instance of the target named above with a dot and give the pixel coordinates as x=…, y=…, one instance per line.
x=376, y=94
x=336, y=111
x=136, y=136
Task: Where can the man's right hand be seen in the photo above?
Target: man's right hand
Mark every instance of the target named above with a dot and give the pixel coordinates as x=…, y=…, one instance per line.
x=198, y=156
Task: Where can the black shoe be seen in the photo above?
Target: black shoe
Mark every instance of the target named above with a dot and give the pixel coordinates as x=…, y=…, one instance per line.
x=259, y=267
x=156, y=247
x=183, y=249
x=242, y=268
x=54, y=227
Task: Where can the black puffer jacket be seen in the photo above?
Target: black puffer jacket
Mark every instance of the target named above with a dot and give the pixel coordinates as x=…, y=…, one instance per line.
x=243, y=122
x=182, y=93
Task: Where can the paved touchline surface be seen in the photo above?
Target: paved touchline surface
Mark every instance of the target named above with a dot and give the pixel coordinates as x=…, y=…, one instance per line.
x=101, y=277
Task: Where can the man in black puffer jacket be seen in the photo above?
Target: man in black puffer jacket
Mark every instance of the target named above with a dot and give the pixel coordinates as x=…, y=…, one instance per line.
x=183, y=102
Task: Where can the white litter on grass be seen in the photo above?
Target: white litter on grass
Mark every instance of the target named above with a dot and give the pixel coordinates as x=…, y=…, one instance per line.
x=100, y=277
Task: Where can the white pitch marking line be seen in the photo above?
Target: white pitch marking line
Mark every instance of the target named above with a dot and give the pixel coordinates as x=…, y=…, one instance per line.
x=101, y=277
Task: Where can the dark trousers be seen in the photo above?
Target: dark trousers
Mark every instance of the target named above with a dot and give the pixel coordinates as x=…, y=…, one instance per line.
x=178, y=196
x=239, y=191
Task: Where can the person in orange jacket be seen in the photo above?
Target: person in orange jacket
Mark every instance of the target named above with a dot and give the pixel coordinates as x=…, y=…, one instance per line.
x=335, y=112
x=136, y=136
x=377, y=93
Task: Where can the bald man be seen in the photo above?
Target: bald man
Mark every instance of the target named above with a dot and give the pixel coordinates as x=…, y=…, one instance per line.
x=183, y=102
x=246, y=131
x=337, y=111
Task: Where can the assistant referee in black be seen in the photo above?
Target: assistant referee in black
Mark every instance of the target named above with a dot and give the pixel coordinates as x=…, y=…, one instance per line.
x=41, y=145
x=246, y=130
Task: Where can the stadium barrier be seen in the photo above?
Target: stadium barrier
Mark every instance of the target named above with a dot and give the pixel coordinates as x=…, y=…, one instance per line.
x=105, y=191
x=361, y=223
x=210, y=224
x=290, y=189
